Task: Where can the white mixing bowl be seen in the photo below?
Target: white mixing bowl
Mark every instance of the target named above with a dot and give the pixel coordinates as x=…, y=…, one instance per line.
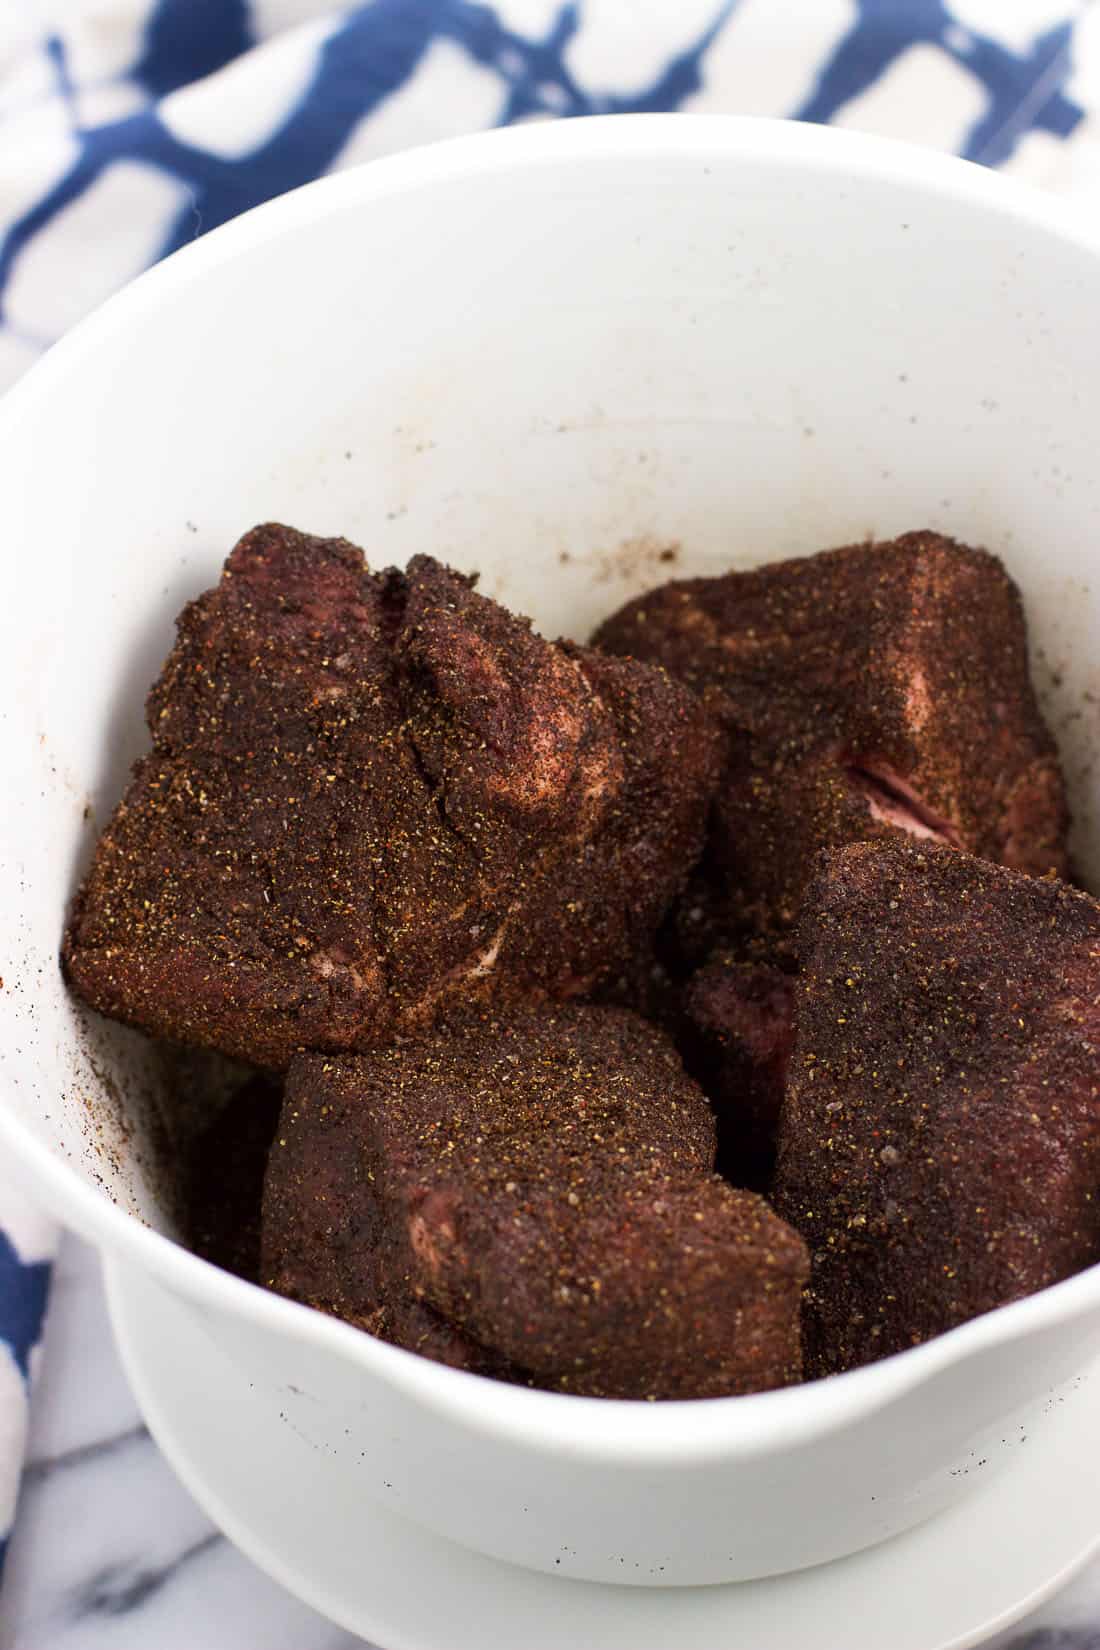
x=551, y=354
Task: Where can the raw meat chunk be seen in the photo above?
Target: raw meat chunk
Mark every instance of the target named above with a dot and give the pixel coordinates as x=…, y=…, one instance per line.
x=543, y=1183
x=871, y=691
x=939, y=1144
x=372, y=797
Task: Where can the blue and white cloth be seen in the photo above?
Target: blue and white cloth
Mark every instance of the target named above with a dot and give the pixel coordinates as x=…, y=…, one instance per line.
x=129, y=127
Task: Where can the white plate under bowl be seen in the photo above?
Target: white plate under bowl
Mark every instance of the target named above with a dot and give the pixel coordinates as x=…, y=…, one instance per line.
x=946, y=1585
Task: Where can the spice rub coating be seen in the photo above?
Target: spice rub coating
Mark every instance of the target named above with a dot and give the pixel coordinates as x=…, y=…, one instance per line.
x=372, y=797
x=868, y=691
x=939, y=1144
x=542, y=1181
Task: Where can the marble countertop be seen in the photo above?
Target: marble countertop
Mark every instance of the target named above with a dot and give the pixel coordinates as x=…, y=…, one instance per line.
x=109, y=1552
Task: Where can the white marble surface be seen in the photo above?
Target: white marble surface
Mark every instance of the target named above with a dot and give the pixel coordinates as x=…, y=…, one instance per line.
x=109, y=1552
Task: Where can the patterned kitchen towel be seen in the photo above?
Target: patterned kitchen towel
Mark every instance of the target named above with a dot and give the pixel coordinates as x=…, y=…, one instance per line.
x=28, y=1241
x=131, y=126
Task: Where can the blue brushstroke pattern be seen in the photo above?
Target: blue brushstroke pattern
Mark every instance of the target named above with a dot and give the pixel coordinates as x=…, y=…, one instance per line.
x=378, y=47
x=186, y=40
x=23, y=1287
x=371, y=55
x=1024, y=92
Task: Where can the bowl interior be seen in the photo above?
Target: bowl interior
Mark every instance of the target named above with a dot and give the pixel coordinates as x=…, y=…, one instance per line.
x=579, y=361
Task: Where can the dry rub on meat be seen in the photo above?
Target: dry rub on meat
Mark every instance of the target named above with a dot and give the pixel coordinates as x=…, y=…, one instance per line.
x=542, y=1182
x=870, y=691
x=373, y=797
x=940, y=1136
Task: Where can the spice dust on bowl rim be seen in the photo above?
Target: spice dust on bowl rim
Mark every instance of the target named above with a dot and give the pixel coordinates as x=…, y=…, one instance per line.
x=521, y=352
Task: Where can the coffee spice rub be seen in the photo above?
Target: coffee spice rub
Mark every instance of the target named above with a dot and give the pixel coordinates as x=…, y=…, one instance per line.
x=542, y=1182
x=414, y=868
x=939, y=1144
x=372, y=797
x=875, y=690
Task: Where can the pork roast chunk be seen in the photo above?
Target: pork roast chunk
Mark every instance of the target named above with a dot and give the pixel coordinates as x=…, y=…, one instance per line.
x=939, y=1143
x=373, y=796
x=877, y=690
x=542, y=1182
